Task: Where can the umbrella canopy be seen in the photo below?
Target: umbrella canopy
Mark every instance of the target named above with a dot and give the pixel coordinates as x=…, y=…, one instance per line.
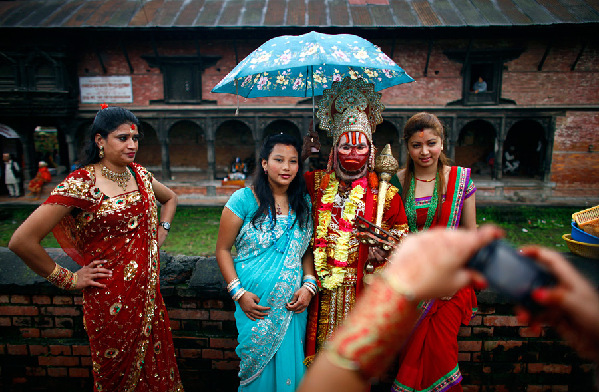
x=305, y=65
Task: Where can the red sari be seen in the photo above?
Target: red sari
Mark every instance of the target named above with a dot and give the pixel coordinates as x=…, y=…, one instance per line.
x=128, y=327
x=43, y=175
x=429, y=360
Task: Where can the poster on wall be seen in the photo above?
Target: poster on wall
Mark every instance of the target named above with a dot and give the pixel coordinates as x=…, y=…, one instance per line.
x=106, y=89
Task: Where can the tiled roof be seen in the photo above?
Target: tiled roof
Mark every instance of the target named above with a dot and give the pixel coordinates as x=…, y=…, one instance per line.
x=293, y=13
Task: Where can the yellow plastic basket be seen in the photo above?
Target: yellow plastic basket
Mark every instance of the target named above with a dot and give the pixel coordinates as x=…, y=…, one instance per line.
x=584, y=217
x=590, y=251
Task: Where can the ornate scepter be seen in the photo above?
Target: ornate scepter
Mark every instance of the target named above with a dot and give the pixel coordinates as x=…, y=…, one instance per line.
x=386, y=166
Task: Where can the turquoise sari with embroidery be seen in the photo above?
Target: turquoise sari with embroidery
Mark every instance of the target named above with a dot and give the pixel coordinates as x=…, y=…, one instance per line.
x=269, y=264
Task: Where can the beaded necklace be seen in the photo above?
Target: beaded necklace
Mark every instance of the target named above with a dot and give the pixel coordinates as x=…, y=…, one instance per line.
x=411, y=206
x=121, y=179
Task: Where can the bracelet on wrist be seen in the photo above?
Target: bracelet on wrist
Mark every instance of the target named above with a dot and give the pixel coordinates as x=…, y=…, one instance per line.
x=63, y=278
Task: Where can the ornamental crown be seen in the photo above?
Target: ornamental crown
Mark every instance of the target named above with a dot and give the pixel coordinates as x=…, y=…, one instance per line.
x=350, y=105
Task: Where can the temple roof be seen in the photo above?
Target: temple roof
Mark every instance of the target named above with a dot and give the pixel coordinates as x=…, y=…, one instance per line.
x=174, y=14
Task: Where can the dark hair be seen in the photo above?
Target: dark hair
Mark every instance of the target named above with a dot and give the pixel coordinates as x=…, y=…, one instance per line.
x=296, y=192
x=106, y=121
x=417, y=123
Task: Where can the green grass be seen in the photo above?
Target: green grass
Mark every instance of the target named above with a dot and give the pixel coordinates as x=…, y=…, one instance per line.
x=531, y=225
x=195, y=229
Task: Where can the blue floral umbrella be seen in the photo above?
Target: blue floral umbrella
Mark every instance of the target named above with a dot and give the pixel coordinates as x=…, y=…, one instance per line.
x=305, y=65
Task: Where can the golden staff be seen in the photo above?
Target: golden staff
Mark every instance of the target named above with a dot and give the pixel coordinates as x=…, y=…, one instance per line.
x=386, y=166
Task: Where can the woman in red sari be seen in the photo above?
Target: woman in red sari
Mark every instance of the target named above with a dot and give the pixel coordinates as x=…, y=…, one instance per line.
x=105, y=217
x=435, y=195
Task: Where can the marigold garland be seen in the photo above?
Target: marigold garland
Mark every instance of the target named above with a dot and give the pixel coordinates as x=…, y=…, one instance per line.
x=331, y=278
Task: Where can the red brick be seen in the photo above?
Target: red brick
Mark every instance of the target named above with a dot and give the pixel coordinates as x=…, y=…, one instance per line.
x=175, y=324
x=79, y=372
x=223, y=343
x=483, y=331
x=36, y=350
x=527, y=332
x=188, y=304
x=476, y=320
x=2, y=349
x=61, y=311
x=485, y=310
x=86, y=361
x=16, y=349
x=57, y=333
x=81, y=350
x=59, y=361
x=5, y=322
x=552, y=368
x=62, y=300
x=63, y=322
x=4, y=299
x=469, y=345
x=465, y=331
x=19, y=310
x=189, y=314
x=78, y=300
x=212, y=354
x=20, y=299
x=41, y=299
x=470, y=388
x=57, y=372
x=493, y=344
x=225, y=365
x=60, y=350
x=230, y=355
x=30, y=332
x=35, y=371
x=503, y=321
x=22, y=321
x=190, y=353
x=213, y=304
x=222, y=315
x=19, y=380
x=464, y=357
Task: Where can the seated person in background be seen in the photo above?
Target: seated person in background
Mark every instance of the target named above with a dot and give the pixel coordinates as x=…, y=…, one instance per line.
x=511, y=163
x=36, y=185
x=480, y=86
x=238, y=170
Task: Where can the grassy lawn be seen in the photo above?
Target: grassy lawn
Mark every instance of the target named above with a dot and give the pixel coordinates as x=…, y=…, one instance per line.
x=195, y=229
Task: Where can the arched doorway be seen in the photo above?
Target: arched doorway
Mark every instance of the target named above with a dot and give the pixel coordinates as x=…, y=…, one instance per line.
x=282, y=126
x=386, y=133
x=233, y=139
x=524, y=150
x=148, y=153
x=187, y=147
x=476, y=148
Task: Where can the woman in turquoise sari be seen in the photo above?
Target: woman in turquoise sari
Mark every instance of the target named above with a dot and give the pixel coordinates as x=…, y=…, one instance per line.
x=272, y=277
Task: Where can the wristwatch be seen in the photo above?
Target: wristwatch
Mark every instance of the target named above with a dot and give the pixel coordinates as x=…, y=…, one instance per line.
x=166, y=225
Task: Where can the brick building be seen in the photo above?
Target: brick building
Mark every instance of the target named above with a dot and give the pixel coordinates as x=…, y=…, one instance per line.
x=161, y=59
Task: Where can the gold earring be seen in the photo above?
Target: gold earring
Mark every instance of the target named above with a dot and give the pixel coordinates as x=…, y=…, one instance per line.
x=101, y=153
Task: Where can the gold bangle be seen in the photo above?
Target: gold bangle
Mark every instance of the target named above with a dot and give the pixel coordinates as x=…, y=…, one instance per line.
x=62, y=278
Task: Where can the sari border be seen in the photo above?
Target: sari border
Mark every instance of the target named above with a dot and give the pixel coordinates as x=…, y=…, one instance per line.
x=450, y=379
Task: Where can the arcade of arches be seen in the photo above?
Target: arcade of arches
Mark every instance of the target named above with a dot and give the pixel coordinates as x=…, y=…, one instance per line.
x=203, y=148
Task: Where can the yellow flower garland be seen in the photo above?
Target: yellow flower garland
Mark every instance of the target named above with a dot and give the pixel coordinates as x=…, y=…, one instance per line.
x=331, y=278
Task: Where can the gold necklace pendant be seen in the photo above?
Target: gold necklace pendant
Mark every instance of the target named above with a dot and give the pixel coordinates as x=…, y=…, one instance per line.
x=121, y=179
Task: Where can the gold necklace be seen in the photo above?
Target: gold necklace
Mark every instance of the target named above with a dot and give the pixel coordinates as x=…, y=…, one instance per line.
x=121, y=179
x=431, y=180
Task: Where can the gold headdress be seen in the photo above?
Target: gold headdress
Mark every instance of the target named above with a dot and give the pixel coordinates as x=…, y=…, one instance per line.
x=350, y=105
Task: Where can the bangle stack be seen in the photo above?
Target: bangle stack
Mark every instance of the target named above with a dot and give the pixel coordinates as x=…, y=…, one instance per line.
x=309, y=282
x=235, y=290
x=63, y=278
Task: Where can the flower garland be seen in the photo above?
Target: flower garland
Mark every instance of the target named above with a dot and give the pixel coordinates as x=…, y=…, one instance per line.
x=333, y=277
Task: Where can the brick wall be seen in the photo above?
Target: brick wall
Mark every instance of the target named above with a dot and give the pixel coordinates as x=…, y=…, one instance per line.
x=43, y=342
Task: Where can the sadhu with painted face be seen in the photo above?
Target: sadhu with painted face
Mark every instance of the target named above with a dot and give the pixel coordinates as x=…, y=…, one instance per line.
x=348, y=188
